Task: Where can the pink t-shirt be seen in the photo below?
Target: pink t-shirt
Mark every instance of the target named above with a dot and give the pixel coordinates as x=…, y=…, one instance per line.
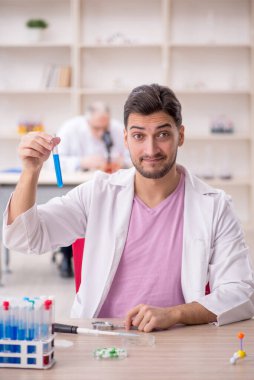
x=149, y=271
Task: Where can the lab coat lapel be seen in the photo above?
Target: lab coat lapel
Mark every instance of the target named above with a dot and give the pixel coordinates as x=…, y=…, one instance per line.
x=102, y=255
x=198, y=216
x=124, y=209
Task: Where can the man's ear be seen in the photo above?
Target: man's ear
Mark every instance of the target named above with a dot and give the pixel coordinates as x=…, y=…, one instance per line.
x=181, y=135
x=125, y=137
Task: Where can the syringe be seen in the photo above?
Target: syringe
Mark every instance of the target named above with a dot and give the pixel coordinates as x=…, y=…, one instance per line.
x=139, y=339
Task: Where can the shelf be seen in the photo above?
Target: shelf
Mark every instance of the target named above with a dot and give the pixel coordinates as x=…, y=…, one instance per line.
x=36, y=45
x=208, y=46
x=50, y=91
x=119, y=46
x=105, y=91
x=212, y=91
x=217, y=182
x=219, y=137
x=234, y=137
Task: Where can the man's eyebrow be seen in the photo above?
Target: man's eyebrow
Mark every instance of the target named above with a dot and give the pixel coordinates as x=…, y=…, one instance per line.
x=159, y=126
x=164, y=125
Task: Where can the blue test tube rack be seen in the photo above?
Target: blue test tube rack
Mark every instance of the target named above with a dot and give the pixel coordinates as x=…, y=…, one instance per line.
x=42, y=356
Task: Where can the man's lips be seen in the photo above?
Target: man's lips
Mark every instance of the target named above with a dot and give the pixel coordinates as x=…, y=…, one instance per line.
x=152, y=159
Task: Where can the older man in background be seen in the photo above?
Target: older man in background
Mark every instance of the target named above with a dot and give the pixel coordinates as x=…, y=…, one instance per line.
x=93, y=141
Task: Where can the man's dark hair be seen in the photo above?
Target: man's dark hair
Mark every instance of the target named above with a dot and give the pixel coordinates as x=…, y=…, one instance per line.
x=147, y=99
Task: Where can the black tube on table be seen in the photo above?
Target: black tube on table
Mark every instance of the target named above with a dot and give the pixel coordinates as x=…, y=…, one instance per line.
x=61, y=328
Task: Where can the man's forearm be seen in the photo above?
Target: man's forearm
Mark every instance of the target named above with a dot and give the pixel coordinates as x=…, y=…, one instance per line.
x=24, y=195
x=194, y=314
x=148, y=318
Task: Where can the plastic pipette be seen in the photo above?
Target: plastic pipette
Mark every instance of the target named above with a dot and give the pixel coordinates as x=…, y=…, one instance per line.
x=57, y=166
x=145, y=339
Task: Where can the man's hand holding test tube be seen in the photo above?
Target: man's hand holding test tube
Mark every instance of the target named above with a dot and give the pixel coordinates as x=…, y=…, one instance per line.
x=34, y=149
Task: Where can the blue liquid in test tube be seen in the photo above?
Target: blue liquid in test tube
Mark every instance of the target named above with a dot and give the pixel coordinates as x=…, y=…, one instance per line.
x=14, y=330
x=1, y=329
x=22, y=321
x=30, y=326
x=57, y=167
x=1, y=323
x=6, y=329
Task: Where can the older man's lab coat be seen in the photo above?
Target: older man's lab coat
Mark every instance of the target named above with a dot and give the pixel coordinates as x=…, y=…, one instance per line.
x=78, y=142
x=214, y=250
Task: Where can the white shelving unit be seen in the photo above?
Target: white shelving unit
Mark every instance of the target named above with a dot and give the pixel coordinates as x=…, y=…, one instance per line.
x=204, y=50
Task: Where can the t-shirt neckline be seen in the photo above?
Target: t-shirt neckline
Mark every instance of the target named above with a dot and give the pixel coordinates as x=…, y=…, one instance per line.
x=164, y=201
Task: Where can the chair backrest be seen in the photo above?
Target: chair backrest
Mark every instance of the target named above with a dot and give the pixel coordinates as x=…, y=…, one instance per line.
x=77, y=250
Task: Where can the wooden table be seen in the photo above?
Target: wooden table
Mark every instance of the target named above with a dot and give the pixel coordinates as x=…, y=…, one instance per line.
x=184, y=352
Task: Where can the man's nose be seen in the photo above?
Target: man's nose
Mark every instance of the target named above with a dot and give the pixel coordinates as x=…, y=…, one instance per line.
x=151, y=147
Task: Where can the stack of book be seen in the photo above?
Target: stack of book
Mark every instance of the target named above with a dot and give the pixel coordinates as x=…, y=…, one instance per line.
x=56, y=76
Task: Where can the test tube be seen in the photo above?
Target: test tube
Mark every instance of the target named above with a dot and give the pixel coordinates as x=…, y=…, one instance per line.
x=57, y=167
x=14, y=320
x=30, y=325
x=1, y=330
x=22, y=320
x=14, y=314
x=1, y=323
x=6, y=328
x=30, y=321
x=47, y=319
x=53, y=306
x=38, y=309
x=6, y=320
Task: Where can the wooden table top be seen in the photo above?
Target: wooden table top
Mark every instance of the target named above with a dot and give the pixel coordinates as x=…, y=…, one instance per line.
x=183, y=352
x=49, y=178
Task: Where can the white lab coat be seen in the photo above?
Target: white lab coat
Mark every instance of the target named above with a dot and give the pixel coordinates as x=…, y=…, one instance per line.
x=78, y=142
x=213, y=246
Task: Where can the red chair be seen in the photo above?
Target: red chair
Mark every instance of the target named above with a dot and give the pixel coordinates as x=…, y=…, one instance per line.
x=207, y=289
x=77, y=250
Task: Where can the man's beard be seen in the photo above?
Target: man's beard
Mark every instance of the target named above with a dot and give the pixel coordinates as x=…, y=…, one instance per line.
x=160, y=173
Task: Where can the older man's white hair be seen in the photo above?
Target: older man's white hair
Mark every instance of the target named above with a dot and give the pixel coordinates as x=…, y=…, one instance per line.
x=97, y=108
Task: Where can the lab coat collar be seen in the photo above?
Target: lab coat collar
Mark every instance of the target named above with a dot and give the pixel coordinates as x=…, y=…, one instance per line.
x=125, y=177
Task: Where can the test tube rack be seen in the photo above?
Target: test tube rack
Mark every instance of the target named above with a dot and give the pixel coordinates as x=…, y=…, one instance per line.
x=27, y=354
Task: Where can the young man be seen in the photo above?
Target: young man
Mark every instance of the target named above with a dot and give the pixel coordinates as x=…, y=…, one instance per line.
x=155, y=234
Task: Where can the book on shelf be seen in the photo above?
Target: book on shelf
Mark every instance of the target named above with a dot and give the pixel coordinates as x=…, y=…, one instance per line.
x=56, y=76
